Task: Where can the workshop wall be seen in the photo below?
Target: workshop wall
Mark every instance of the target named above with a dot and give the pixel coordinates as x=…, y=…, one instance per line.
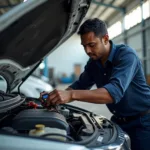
x=67, y=55
x=134, y=36
x=134, y=39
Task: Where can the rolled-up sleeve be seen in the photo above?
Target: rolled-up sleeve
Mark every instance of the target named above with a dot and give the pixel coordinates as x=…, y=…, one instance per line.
x=85, y=80
x=123, y=72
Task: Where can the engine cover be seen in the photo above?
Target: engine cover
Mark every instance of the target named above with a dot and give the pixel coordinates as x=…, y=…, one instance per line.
x=27, y=119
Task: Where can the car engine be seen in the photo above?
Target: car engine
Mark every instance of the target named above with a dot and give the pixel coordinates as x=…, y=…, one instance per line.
x=66, y=123
x=27, y=119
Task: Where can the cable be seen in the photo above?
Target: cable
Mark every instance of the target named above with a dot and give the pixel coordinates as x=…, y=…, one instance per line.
x=2, y=97
x=2, y=94
x=57, y=134
x=82, y=127
x=72, y=127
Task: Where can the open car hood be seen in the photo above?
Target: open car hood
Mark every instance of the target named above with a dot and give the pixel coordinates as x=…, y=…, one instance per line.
x=32, y=30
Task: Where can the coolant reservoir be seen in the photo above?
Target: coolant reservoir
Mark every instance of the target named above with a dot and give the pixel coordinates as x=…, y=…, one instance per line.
x=40, y=130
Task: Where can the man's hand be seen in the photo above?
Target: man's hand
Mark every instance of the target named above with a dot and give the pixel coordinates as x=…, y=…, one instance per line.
x=59, y=97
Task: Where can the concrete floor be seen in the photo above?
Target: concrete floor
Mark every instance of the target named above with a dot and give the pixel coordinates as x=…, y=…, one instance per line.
x=96, y=108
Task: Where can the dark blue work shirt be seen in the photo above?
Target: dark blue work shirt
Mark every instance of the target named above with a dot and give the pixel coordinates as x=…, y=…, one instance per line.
x=122, y=76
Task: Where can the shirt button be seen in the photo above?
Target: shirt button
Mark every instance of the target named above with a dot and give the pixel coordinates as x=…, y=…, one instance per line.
x=104, y=74
x=114, y=111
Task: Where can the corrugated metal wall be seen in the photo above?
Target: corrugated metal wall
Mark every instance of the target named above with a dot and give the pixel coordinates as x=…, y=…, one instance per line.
x=134, y=39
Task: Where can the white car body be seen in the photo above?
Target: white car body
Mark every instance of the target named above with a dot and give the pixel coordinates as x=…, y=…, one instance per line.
x=33, y=86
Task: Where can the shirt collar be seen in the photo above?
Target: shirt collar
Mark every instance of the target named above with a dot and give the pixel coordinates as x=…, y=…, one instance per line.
x=112, y=51
x=111, y=55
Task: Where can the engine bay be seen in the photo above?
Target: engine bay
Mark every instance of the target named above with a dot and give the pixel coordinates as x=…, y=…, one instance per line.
x=66, y=124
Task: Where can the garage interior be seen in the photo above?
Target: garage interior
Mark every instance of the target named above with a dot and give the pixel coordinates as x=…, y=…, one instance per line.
x=128, y=22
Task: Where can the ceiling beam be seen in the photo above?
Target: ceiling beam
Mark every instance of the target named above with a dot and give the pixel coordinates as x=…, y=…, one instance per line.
x=111, y=3
x=94, y=10
x=108, y=5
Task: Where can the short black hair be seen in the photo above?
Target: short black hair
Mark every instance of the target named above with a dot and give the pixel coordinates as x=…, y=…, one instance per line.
x=93, y=25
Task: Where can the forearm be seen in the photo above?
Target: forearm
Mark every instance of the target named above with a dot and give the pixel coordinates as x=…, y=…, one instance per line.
x=99, y=96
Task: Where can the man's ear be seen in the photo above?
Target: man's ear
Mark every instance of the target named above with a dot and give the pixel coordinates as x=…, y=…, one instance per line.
x=105, y=39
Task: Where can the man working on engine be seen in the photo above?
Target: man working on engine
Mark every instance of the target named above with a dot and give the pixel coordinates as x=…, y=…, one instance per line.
x=117, y=72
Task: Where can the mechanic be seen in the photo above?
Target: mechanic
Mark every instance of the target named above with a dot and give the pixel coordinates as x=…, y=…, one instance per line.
x=117, y=72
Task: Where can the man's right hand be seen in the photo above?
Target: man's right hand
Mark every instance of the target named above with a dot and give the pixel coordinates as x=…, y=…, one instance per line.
x=57, y=97
x=54, y=96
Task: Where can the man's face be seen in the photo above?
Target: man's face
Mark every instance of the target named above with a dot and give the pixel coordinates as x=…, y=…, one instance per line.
x=94, y=46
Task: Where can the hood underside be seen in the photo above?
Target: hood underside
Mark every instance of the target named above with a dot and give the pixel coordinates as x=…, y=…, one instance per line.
x=32, y=30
